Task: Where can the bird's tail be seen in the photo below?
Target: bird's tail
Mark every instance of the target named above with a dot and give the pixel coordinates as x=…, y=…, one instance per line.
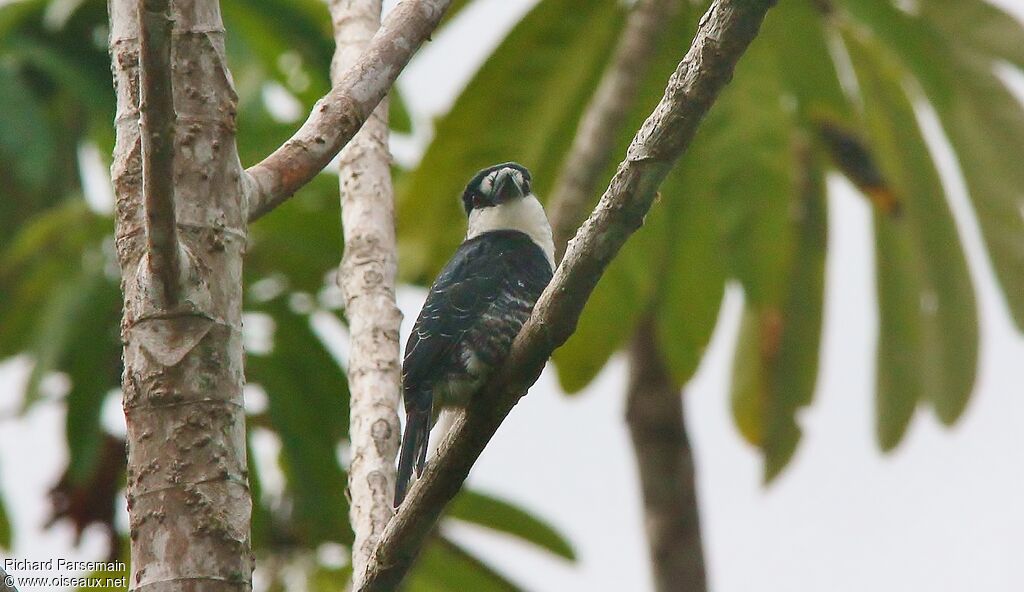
x=414, y=450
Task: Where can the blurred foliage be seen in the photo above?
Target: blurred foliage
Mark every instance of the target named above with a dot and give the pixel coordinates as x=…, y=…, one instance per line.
x=928, y=318
x=748, y=200
x=476, y=508
x=61, y=299
x=5, y=527
x=747, y=204
x=452, y=568
x=85, y=500
x=513, y=109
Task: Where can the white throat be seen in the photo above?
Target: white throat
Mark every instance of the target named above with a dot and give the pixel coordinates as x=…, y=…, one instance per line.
x=525, y=215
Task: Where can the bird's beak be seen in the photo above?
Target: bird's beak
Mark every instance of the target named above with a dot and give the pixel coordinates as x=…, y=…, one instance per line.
x=507, y=186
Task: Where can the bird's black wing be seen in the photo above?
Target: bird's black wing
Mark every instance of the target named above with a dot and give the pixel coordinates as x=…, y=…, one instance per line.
x=498, y=271
x=467, y=286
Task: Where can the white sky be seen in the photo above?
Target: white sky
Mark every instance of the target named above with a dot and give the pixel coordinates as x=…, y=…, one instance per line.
x=941, y=513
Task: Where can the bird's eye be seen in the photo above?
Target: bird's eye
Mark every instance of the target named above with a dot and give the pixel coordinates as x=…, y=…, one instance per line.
x=478, y=200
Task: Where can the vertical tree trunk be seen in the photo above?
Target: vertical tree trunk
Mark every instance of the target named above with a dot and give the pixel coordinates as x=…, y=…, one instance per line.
x=654, y=412
x=188, y=494
x=367, y=278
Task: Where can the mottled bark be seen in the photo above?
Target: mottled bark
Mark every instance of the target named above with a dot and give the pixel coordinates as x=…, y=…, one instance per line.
x=156, y=121
x=724, y=34
x=605, y=117
x=654, y=413
x=188, y=494
x=338, y=116
x=367, y=279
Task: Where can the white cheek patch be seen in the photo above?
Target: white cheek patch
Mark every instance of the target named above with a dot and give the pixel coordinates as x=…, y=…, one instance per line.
x=525, y=215
x=488, y=183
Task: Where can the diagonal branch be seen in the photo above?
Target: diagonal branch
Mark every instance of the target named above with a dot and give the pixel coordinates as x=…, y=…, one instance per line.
x=605, y=117
x=723, y=35
x=340, y=113
x=156, y=122
x=367, y=280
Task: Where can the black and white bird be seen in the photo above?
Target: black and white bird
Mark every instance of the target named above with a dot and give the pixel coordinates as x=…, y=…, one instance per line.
x=476, y=306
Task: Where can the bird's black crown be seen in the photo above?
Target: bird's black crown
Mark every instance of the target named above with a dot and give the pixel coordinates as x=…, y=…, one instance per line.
x=496, y=185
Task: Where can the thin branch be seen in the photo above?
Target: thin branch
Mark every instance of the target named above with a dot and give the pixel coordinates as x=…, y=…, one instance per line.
x=338, y=115
x=367, y=279
x=605, y=116
x=654, y=413
x=156, y=122
x=723, y=35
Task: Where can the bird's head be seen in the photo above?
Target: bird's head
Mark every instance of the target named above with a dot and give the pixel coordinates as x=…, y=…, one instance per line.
x=495, y=185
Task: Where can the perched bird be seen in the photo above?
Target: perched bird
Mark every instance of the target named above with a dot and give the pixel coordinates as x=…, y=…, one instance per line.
x=476, y=307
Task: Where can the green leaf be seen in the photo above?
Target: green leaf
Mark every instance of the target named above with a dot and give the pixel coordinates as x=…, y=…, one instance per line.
x=44, y=255
x=308, y=408
x=324, y=579
x=746, y=146
x=260, y=529
x=453, y=10
x=399, y=119
x=645, y=273
x=918, y=46
x=928, y=318
x=795, y=32
x=5, y=527
x=261, y=31
x=74, y=72
x=92, y=360
x=493, y=513
x=531, y=120
x=986, y=126
x=691, y=275
x=62, y=308
x=68, y=70
x=444, y=566
x=301, y=241
x=776, y=364
x=26, y=138
x=953, y=61
x=771, y=220
x=68, y=305
x=979, y=26
x=606, y=324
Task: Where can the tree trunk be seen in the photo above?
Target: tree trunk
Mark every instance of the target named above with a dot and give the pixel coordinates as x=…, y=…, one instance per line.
x=188, y=495
x=367, y=279
x=654, y=413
